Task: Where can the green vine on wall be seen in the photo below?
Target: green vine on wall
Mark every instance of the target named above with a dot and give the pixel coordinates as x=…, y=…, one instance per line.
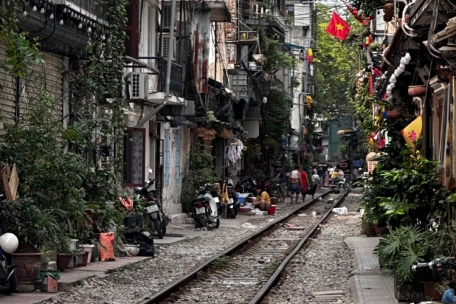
x=97, y=124
x=61, y=181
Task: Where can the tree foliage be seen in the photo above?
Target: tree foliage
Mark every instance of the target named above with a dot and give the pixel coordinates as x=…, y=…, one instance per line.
x=278, y=115
x=335, y=63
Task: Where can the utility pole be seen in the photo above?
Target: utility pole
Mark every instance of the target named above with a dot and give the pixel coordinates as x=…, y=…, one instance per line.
x=168, y=68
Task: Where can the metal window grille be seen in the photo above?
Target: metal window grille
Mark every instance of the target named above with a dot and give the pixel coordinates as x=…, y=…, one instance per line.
x=178, y=155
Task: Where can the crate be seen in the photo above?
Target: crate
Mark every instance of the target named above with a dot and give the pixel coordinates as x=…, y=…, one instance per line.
x=133, y=220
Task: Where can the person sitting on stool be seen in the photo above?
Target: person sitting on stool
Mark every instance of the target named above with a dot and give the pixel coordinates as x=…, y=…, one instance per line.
x=263, y=200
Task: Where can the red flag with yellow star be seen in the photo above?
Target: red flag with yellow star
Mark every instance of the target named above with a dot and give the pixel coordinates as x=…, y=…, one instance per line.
x=337, y=27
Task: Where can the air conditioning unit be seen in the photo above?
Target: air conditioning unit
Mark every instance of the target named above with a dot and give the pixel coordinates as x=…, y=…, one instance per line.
x=138, y=85
x=311, y=89
x=167, y=15
x=165, y=46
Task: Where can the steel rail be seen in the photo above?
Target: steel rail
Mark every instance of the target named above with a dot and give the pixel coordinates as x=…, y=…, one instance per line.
x=184, y=280
x=275, y=276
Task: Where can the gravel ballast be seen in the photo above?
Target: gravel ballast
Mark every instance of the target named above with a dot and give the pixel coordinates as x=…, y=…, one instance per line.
x=171, y=262
x=323, y=268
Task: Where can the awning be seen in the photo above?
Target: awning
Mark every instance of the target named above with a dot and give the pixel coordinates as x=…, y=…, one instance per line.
x=295, y=46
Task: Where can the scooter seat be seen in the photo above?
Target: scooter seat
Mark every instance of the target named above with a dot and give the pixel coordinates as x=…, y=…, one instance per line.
x=200, y=200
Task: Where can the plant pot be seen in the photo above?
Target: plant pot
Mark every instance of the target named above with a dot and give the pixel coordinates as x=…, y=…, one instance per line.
x=81, y=259
x=417, y=90
x=378, y=230
x=88, y=248
x=95, y=252
x=28, y=267
x=431, y=292
x=132, y=250
x=392, y=114
x=63, y=260
x=368, y=229
x=73, y=243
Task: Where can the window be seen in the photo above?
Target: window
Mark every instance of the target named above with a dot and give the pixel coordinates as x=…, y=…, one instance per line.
x=134, y=162
x=167, y=157
x=178, y=155
x=444, y=118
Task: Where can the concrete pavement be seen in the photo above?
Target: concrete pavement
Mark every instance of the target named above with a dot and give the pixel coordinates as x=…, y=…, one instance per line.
x=369, y=284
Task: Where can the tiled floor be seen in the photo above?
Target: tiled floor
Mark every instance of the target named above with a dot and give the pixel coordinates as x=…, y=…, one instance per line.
x=369, y=284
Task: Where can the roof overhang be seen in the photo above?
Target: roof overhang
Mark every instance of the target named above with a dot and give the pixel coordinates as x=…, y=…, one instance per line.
x=219, y=11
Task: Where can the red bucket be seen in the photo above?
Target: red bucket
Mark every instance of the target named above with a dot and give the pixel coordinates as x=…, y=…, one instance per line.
x=271, y=210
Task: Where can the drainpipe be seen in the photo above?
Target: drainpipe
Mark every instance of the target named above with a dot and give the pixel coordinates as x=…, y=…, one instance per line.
x=168, y=69
x=302, y=139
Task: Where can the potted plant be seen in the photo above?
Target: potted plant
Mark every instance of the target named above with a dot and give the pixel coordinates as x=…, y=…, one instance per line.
x=35, y=228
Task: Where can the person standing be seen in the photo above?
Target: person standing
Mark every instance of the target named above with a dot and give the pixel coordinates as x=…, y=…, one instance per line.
x=281, y=177
x=295, y=184
x=304, y=183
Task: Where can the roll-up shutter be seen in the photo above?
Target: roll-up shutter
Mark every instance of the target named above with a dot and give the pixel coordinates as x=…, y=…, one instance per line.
x=7, y=89
x=47, y=76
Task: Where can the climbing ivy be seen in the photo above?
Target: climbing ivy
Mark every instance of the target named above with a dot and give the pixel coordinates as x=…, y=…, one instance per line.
x=277, y=115
x=96, y=130
x=96, y=127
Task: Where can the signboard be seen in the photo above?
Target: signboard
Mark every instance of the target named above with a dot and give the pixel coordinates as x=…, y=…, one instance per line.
x=371, y=166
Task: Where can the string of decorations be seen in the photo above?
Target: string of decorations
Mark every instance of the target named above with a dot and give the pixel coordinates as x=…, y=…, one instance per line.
x=399, y=70
x=67, y=15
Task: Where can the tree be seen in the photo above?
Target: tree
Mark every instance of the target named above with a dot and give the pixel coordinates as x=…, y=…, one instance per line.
x=335, y=64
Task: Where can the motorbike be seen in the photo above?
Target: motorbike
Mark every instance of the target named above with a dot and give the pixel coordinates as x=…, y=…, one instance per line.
x=246, y=184
x=437, y=264
x=233, y=202
x=154, y=208
x=205, y=209
x=8, y=245
x=272, y=186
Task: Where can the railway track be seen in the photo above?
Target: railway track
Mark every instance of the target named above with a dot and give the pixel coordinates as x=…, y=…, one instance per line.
x=247, y=271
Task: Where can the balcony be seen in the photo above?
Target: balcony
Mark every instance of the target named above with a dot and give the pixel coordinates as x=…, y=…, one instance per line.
x=156, y=68
x=92, y=9
x=261, y=16
x=63, y=26
x=253, y=113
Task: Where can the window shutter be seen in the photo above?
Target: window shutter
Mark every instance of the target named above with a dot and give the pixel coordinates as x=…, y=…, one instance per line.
x=132, y=29
x=167, y=157
x=178, y=155
x=134, y=157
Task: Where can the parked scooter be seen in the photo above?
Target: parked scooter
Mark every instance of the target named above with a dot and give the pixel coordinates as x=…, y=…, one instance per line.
x=272, y=186
x=233, y=203
x=440, y=264
x=154, y=208
x=205, y=210
x=246, y=185
x=8, y=245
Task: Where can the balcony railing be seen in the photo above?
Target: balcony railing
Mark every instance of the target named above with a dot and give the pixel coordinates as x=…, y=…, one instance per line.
x=176, y=84
x=89, y=8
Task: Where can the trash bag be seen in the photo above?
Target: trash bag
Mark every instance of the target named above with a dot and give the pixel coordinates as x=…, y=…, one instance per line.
x=107, y=246
x=340, y=211
x=146, y=245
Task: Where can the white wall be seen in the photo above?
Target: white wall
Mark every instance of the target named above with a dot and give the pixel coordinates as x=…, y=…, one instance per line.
x=171, y=193
x=294, y=36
